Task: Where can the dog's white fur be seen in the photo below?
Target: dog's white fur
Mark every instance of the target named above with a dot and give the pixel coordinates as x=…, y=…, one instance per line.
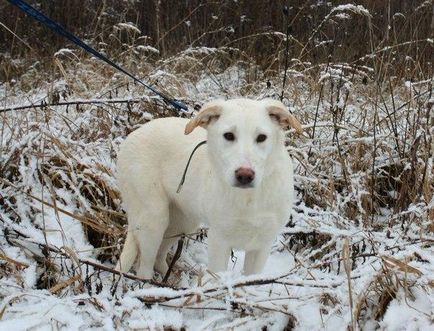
x=150, y=165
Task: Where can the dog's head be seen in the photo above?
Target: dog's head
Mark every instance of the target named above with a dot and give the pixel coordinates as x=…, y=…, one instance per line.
x=242, y=135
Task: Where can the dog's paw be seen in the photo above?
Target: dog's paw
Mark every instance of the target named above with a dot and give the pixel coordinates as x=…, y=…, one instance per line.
x=207, y=278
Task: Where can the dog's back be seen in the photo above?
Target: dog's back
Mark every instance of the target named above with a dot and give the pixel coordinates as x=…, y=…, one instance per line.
x=146, y=156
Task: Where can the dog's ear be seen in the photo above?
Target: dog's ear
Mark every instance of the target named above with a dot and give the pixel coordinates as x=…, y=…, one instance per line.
x=279, y=112
x=208, y=113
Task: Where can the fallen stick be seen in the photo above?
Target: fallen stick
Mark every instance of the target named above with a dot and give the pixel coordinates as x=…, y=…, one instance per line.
x=18, y=264
x=200, y=291
x=74, y=103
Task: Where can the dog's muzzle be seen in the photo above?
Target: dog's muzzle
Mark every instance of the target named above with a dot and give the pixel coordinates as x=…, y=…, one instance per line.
x=244, y=177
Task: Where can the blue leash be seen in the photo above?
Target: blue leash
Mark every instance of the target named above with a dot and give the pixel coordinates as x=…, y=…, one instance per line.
x=36, y=14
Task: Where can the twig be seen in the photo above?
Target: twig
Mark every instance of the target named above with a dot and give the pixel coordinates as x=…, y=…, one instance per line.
x=16, y=36
x=60, y=286
x=218, y=288
x=124, y=274
x=18, y=264
x=347, y=266
x=317, y=108
x=175, y=258
x=74, y=103
x=288, y=29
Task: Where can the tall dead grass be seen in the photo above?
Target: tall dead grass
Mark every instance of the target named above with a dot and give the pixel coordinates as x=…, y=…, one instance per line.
x=317, y=30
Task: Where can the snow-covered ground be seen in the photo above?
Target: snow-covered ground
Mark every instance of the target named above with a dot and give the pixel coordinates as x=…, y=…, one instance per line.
x=358, y=249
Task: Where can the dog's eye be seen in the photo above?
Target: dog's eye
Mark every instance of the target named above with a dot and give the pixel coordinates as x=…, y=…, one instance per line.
x=261, y=138
x=229, y=136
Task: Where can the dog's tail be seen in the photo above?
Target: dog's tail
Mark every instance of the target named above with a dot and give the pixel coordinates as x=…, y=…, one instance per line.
x=128, y=255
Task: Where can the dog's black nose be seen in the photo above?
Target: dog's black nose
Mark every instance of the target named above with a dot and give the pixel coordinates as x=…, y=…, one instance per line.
x=244, y=176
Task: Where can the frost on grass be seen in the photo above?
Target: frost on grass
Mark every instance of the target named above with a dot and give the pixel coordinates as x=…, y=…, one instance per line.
x=361, y=230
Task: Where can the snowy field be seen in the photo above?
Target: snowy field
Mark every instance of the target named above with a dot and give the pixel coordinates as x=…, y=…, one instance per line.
x=357, y=253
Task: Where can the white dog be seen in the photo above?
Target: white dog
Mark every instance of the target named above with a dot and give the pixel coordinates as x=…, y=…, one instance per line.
x=240, y=183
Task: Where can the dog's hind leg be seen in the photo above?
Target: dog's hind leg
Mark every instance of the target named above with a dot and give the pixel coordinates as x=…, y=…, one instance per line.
x=160, y=263
x=149, y=235
x=179, y=226
x=129, y=254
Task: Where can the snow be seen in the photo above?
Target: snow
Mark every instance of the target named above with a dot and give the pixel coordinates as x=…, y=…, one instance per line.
x=127, y=26
x=406, y=314
x=65, y=51
x=148, y=48
x=358, y=9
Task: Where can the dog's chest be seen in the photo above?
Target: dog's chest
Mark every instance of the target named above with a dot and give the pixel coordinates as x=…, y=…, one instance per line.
x=244, y=232
x=245, y=221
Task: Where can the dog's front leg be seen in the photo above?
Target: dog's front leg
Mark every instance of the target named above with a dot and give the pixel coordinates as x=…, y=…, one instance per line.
x=218, y=252
x=255, y=261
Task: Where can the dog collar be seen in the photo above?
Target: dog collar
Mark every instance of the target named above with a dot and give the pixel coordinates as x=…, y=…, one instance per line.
x=187, y=165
